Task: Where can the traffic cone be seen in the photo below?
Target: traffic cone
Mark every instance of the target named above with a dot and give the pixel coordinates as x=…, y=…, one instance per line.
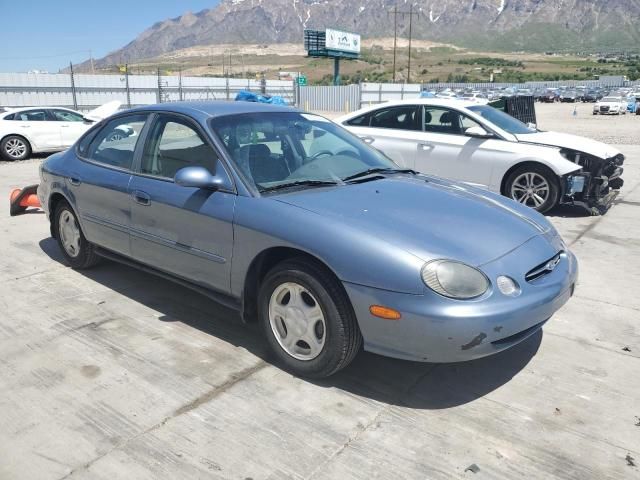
x=21, y=199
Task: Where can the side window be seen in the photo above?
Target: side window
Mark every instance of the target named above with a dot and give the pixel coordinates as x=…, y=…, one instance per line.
x=442, y=120
x=399, y=118
x=31, y=116
x=361, y=121
x=66, y=116
x=174, y=144
x=466, y=122
x=9, y=117
x=116, y=142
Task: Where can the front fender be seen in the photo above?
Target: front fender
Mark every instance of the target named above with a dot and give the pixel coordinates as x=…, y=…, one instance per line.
x=351, y=254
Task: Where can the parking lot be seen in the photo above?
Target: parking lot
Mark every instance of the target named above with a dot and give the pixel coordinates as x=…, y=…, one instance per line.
x=114, y=373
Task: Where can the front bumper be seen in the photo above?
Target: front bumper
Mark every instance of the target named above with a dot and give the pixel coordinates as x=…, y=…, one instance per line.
x=438, y=329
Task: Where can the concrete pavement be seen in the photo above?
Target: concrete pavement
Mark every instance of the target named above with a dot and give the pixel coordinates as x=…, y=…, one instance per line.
x=113, y=373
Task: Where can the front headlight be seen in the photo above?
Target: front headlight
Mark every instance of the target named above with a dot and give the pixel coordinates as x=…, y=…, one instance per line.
x=454, y=279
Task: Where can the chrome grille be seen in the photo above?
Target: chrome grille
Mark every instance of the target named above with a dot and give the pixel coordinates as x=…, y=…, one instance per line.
x=544, y=268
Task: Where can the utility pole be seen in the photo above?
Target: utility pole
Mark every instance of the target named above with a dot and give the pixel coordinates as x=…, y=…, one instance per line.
x=411, y=13
x=93, y=70
x=395, y=39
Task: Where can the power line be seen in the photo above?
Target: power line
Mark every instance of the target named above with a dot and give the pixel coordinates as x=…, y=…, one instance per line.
x=46, y=56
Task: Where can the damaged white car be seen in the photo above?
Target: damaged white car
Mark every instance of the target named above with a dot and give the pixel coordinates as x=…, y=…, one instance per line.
x=485, y=147
x=27, y=130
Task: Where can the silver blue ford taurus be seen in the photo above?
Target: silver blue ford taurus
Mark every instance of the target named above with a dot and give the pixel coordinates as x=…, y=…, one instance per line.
x=299, y=225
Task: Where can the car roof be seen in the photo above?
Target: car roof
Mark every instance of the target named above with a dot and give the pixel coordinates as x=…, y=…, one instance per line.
x=215, y=108
x=22, y=109
x=433, y=101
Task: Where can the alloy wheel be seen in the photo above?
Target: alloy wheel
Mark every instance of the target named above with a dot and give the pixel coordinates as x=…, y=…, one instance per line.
x=530, y=189
x=15, y=148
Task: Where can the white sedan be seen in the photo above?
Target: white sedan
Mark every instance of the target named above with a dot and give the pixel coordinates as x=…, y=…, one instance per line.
x=485, y=147
x=611, y=106
x=29, y=130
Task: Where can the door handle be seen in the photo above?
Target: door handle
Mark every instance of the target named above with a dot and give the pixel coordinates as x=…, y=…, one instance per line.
x=25, y=126
x=142, y=198
x=74, y=181
x=64, y=126
x=368, y=140
x=426, y=146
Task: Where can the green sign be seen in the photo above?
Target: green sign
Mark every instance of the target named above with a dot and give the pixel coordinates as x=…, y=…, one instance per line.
x=302, y=80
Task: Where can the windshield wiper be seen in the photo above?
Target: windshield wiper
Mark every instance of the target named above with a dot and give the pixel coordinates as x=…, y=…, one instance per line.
x=301, y=183
x=371, y=171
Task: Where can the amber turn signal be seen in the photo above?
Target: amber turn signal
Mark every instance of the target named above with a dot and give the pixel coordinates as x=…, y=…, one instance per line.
x=384, y=312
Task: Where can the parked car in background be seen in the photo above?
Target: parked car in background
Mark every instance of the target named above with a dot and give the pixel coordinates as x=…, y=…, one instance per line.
x=475, y=97
x=570, y=96
x=591, y=96
x=29, y=130
x=548, y=96
x=610, y=106
x=485, y=147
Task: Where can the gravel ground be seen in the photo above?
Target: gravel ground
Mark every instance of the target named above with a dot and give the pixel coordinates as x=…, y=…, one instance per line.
x=613, y=129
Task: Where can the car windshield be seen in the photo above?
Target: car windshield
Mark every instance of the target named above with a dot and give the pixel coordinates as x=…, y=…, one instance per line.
x=279, y=149
x=611, y=99
x=502, y=120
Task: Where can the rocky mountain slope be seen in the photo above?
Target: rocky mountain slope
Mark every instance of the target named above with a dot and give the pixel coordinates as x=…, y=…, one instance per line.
x=509, y=25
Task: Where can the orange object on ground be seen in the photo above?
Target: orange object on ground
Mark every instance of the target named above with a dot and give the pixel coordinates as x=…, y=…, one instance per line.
x=20, y=200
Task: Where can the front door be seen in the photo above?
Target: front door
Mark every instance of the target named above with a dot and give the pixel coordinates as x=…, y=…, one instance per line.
x=184, y=231
x=444, y=149
x=71, y=124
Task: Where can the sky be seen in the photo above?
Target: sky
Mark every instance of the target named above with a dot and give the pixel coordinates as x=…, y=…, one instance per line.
x=48, y=34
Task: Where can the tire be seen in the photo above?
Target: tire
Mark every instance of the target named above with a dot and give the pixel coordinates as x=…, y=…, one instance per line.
x=79, y=253
x=321, y=313
x=522, y=183
x=15, y=147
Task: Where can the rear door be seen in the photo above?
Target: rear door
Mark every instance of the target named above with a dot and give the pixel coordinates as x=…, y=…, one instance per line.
x=185, y=231
x=392, y=130
x=100, y=183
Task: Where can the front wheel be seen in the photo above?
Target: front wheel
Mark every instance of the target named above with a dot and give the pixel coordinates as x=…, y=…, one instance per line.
x=534, y=186
x=308, y=319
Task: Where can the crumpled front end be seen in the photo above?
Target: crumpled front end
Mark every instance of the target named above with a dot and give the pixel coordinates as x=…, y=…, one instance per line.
x=598, y=183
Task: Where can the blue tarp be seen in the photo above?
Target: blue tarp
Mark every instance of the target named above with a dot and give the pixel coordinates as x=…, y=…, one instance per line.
x=246, y=96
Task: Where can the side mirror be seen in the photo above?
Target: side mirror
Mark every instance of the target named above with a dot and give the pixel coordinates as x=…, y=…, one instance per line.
x=88, y=120
x=477, y=132
x=532, y=125
x=199, y=177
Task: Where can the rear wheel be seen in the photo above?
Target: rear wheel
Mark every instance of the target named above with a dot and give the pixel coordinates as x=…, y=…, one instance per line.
x=75, y=247
x=15, y=147
x=534, y=186
x=308, y=319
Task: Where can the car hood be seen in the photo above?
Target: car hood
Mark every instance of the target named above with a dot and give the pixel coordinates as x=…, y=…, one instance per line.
x=426, y=216
x=573, y=142
x=104, y=110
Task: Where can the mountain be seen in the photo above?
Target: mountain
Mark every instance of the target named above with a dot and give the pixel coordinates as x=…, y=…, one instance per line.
x=503, y=25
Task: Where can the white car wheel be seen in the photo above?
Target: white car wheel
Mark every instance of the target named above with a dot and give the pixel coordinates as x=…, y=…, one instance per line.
x=14, y=147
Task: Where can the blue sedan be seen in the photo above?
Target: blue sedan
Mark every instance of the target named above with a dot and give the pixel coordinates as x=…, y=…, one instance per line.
x=302, y=227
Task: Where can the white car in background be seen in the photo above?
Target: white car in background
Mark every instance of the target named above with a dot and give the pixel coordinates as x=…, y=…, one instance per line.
x=27, y=130
x=485, y=147
x=611, y=106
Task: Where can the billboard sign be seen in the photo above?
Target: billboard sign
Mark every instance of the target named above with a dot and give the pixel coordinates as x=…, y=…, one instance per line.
x=342, y=41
